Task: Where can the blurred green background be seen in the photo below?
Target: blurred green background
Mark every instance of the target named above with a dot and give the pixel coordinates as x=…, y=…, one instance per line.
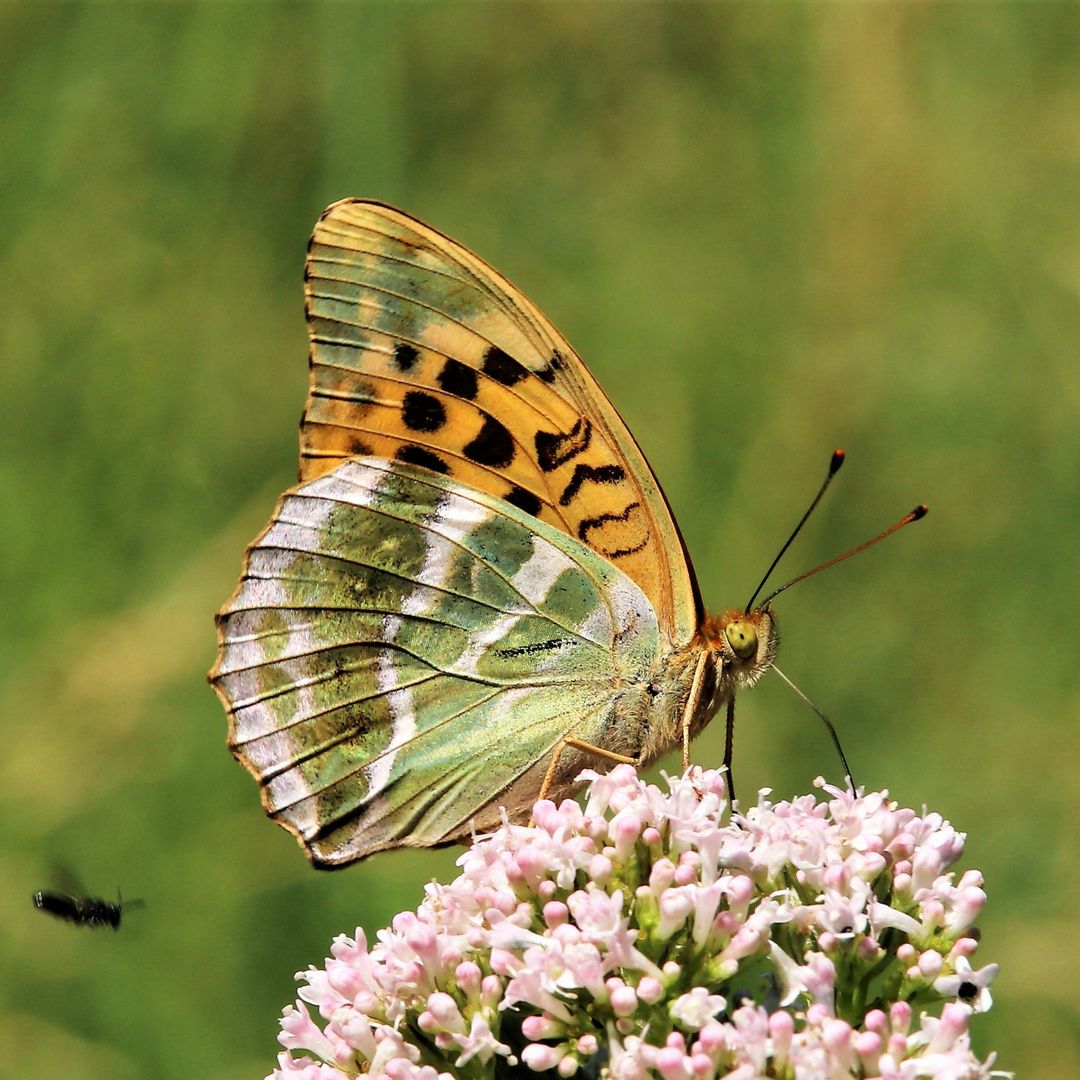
x=770, y=230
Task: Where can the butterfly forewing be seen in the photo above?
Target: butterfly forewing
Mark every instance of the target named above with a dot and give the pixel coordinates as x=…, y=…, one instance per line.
x=422, y=353
x=403, y=653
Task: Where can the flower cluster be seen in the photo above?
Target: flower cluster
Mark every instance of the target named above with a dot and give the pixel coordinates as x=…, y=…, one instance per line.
x=641, y=936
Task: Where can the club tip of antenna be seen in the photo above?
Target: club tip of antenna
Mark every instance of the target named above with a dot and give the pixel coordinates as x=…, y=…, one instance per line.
x=920, y=511
x=837, y=461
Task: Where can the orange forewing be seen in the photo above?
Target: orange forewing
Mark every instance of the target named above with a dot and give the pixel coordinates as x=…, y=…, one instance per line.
x=421, y=352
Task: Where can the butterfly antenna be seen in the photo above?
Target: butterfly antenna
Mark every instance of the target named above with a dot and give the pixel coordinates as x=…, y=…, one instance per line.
x=834, y=468
x=919, y=512
x=826, y=721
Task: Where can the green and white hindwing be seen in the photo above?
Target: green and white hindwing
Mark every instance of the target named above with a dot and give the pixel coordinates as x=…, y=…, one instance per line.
x=404, y=654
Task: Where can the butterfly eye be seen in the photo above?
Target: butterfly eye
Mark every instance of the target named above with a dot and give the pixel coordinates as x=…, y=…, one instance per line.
x=742, y=637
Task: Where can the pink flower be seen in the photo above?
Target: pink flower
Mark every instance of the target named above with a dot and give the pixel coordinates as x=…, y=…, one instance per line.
x=479, y=1043
x=841, y=914
x=696, y=1008
x=304, y=1068
x=515, y=960
x=299, y=1032
x=969, y=986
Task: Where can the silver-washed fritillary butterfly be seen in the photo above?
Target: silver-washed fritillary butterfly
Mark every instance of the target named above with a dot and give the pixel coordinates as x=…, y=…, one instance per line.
x=477, y=586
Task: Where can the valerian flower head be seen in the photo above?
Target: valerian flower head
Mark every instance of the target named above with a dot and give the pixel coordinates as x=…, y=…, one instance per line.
x=650, y=934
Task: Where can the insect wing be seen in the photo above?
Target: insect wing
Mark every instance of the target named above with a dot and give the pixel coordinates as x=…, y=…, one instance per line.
x=422, y=352
x=402, y=652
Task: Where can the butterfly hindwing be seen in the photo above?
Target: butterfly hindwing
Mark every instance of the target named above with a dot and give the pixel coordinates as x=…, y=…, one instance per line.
x=403, y=652
x=422, y=353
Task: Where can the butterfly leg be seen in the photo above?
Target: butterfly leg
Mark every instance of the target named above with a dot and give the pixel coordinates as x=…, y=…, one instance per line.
x=619, y=759
x=691, y=707
x=588, y=748
x=728, y=747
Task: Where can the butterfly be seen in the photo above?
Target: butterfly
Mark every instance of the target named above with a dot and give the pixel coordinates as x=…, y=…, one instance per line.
x=478, y=588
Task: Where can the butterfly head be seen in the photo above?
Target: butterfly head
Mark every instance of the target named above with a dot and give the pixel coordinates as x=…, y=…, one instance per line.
x=746, y=642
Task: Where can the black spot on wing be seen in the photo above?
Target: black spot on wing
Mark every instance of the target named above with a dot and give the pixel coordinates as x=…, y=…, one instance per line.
x=405, y=356
x=588, y=524
x=602, y=474
x=417, y=455
x=548, y=372
x=358, y=447
x=422, y=412
x=535, y=647
x=457, y=379
x=503, y=368
x=553, y=450
x=523, y=500
x=494, y=446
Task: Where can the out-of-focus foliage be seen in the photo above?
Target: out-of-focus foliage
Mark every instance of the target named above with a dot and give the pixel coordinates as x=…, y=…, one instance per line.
x=770, y=230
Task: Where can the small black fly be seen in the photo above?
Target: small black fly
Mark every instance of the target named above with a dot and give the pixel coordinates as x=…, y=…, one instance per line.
x=84, y=910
